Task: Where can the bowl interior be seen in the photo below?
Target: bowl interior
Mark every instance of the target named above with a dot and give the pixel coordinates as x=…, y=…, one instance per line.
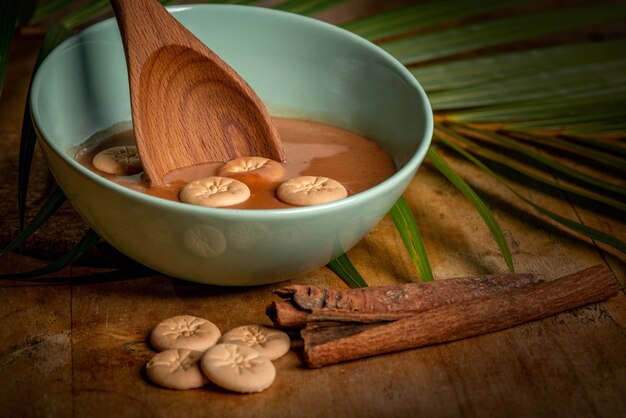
x=299, y=67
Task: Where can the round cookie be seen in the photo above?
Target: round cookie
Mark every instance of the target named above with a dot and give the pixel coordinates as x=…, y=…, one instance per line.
x=270, y=342
x=257, y=169
x=238, y=368
x=310, y=190
x=184, y=331
x=121, y=161
x=177, y=369
x=215, y=192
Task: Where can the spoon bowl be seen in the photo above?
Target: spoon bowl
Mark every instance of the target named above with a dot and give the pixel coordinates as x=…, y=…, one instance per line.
x=188, y=106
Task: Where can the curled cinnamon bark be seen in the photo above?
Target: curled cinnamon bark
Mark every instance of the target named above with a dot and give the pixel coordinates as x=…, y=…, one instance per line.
x=386, y=303
x=326, y=343
x=284, y=314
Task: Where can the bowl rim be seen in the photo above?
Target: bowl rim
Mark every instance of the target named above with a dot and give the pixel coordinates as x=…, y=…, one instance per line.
x=406, y=171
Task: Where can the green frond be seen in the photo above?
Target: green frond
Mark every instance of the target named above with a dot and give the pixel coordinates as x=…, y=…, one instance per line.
x=543, y=159
x=8, y=18
x=484, y=70
x=501, y=158
x=85, y=244
x=445, y=43
x=557, y=115
x=578, y=81
x=572, y=147
x=46, y=9
x=581, y=119
x=86, y=13
x=26, y=12
x=490, y=220
x=573, y=225
x=54, y=201
x=600, y=144
x=56, y=34
x=615, y=127
x=420, y=16
x=234, y=1
x=410, y=234
x=343, y=267
x=307, y=7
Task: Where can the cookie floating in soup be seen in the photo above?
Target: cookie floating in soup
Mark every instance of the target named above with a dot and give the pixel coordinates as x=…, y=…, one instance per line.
x=310, y=190
x=324, y=163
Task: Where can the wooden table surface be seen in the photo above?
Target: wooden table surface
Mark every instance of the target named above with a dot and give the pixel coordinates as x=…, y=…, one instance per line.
x=77, y=346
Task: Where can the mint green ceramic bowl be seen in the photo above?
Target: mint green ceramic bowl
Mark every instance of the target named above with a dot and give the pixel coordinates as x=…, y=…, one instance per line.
x=301, y=68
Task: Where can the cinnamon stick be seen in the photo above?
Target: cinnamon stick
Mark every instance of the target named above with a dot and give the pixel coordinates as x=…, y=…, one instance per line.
x=284, y=314
x=386, y=303
x=326, y=344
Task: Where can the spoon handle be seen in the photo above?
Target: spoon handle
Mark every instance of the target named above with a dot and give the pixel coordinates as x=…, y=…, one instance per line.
x=188, y=106
x=142, y=25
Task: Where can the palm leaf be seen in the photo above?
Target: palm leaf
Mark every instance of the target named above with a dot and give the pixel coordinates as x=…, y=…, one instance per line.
x=343, y=267
x=484, y=70
x=580, y=150
x=49, y=8
x=26, y=12
x=502, y=159
x=307, y=7
x=409, y=232
x=439, y=44
x=598, y=144
x=605, y=113
x=54, y=36
x=573, y=225
x=92, y=10
x=86, y=243
x=516, y=146
x=233, y=1
x=8, y=17
x=476, y=201
x=559, y=83
x=420, y=16
x=54, y=201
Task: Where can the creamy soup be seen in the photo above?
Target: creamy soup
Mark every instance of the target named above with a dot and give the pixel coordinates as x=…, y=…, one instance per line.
x=312, y=149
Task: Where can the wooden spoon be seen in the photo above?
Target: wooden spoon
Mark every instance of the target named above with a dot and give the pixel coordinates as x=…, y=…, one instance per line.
x=188, y=106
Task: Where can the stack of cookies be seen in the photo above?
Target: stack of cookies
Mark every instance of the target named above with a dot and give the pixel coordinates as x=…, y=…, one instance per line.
x=193, y=352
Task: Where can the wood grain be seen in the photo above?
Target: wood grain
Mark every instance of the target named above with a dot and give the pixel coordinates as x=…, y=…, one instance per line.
x=188, y=106
x=78, y=348
x=570, y=365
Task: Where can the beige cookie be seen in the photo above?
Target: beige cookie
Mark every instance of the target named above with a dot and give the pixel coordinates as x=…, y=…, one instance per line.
x=270, y=342
x=238, y=368
x=121, y=161
x=215, y=192
x=177, y=369
x=310, y=190
x=253, y=169
x=184, y=331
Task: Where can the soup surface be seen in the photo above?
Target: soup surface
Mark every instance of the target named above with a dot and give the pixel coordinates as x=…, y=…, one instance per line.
x=311, y=148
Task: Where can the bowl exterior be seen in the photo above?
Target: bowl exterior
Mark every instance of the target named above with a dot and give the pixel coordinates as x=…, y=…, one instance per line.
x=218, y=248
x=82, y=88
